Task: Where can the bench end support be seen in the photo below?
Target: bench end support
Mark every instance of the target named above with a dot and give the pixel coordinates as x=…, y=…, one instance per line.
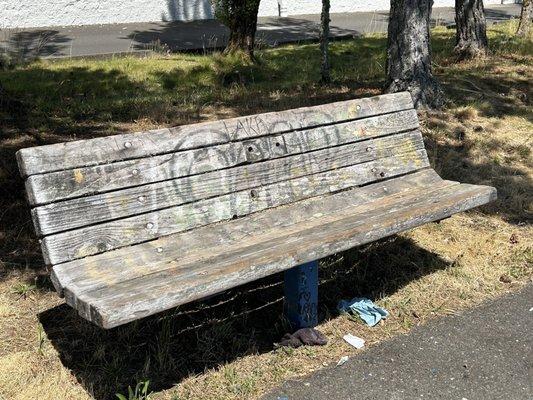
x=301, y=295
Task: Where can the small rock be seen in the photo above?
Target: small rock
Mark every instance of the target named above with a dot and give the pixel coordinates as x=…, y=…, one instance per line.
x=505, y=279
x=460, y=133
x=513, y=239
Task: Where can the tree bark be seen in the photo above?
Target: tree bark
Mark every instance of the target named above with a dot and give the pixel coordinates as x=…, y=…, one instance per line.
x=526, y=14
x=324, y=42
x=409, y=53
x=241, y=19
x=471, y=35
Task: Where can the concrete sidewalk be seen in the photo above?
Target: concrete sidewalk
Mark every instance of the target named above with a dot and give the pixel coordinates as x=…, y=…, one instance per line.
x=98, y=40
x=483, y=354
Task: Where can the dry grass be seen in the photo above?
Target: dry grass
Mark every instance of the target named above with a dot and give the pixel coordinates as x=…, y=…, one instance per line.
x=222, y=348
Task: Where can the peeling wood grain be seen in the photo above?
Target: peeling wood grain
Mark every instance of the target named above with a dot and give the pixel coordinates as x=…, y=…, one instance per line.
x=123, y=232
x=56, y=186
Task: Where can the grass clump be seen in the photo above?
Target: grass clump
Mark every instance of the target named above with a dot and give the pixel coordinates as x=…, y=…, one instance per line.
x=23, y=290
x=139, y=393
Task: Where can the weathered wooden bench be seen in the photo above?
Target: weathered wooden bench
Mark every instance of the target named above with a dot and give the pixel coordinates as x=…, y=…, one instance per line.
x=139, y=223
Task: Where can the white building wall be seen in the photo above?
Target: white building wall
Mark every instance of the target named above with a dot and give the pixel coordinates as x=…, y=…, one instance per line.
x=269, y=8
x=42, y=13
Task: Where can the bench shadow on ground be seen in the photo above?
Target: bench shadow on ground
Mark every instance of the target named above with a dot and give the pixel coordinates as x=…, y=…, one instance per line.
x=248, y=320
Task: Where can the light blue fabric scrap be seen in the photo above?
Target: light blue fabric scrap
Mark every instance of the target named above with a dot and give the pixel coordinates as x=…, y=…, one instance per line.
x=368, y=311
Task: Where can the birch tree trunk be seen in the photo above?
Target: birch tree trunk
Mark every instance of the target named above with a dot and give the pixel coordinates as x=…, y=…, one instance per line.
x=526, y=14
x=471, y=35
x=409, y=53
x=324, y=42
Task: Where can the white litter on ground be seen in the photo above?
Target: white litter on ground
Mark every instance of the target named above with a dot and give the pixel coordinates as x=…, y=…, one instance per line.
x=355, y=341
x=342, y=360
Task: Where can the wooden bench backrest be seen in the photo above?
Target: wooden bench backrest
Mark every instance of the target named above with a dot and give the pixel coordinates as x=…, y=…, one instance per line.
x=96, y=195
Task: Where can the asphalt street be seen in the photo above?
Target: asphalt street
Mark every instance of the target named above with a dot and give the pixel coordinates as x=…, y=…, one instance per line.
x=482, y=354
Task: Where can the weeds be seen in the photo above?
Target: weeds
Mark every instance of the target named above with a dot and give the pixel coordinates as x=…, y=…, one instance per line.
x=139, y=393
x=23, y=290
x=41, y=338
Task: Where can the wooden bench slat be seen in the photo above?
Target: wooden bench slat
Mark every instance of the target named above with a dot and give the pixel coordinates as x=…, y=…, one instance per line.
x=401, y=155
x=116, y=304
x=79, y=182
x=46, y=188
x=82, y=153
x=109, y=268
x=74, y=213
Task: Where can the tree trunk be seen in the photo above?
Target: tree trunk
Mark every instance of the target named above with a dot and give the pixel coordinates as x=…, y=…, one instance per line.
x=409, y=53
x=525, y=18
x=471, y=35
x=241, y=19
x=324, y=42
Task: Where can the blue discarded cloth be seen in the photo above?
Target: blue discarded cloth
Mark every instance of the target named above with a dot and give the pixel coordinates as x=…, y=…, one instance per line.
x=368, y=311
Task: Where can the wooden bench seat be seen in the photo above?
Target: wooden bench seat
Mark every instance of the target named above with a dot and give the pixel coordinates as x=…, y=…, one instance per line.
x=136, y=224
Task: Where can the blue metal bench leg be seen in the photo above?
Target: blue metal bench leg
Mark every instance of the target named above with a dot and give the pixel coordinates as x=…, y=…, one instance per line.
x=301, y=295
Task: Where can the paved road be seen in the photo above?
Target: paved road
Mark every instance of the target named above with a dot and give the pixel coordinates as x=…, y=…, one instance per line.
x=98, y=40
x=483, y=354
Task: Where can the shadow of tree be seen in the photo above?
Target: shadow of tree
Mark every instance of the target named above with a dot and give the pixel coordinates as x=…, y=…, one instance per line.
x=182, y=35
x=498, y=15
x=494, y=97
x=174, y=345
x=459, y=160
x=25, y=46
